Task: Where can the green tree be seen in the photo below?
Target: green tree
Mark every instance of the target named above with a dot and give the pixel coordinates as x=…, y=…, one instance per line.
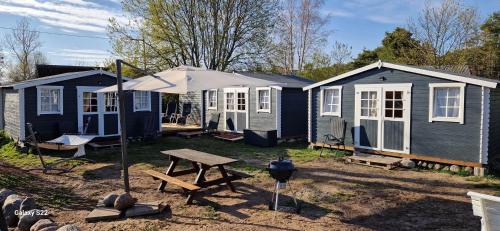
x=366, y=57
x=217, y=34
x=490, y=49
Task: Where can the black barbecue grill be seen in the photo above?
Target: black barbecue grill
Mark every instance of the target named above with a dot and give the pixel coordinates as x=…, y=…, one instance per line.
x=281, y=170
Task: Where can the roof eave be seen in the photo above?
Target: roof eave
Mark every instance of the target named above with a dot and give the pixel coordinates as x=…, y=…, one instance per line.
x=380, y=64
x=62, y=78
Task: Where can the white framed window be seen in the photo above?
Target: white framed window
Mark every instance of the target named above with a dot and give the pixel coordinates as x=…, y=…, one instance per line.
x=446, y=102
x=369, y=104
x=230, y=101
x=393, y=108
x=142, y=101
x=110, y=102
x=241, y=101
x=212, y=99
x=331, y=101
x=263, y=99
x=90, y=103
x=49, y=100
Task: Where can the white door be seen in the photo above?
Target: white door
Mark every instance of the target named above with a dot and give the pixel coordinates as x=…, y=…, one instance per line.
x=235, y=109
x=98, y=110
x=382, y=117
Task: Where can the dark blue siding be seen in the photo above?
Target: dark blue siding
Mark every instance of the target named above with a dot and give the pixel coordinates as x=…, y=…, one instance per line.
x=368, y=133
x=394, y=135
x=293, y=112
x=494, y=129
x=51, y=126
x=439, y=139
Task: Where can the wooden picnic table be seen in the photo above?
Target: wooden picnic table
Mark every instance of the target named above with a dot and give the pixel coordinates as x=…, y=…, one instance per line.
x=201, y=162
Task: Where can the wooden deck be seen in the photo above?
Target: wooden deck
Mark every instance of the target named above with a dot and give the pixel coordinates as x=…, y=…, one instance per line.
x=377, y=161
x=172, y=128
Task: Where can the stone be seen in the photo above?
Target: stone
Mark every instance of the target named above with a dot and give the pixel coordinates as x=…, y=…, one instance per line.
x=446, y=168
x=43, y=223
x=69, y=228
x=424, y=164
x=469, y=170
x=4, y=193
x=420, y=163
x=142, y=209
x=430, y=165
x=407, y=163
x=437, y=166
x=27, y=220
x=50, y=228
x=102, y=213
x=28, y=204
x=11, y=204
x=455, y=168
x=124, y=201
x=109, y=200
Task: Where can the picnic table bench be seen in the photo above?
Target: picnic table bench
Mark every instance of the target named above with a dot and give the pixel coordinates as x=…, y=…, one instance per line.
x=201, y=162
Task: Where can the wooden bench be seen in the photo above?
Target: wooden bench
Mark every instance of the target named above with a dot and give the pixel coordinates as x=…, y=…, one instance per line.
x=172, y=180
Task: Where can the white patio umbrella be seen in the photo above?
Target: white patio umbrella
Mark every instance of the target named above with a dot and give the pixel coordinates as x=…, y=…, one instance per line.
x=182, y=79
x=179, y=80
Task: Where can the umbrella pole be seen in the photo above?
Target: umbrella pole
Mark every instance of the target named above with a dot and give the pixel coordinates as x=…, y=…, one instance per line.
x=123, y=128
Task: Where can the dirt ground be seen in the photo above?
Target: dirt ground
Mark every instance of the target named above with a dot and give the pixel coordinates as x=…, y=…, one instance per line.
x=334, y=195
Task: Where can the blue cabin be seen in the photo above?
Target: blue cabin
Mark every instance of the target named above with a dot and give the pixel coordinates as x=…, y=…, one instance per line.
x=410, y=112
x=64, y=103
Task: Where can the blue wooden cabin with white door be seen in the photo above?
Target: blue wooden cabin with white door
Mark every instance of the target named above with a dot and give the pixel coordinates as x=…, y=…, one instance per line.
x=411, y=112
x=64, y=103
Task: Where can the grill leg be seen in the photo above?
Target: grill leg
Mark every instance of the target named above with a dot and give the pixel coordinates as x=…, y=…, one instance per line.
x=277, y=196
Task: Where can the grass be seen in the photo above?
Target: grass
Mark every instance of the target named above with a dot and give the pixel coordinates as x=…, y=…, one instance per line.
x=330, y=198
x=10, y=181
x=54, y=196
x=148, y=154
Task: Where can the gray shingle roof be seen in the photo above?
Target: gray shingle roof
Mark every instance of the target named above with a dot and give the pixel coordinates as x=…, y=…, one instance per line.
x=291, y=81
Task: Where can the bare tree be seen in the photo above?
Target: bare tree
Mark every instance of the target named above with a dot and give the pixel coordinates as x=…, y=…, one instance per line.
x=341, y=52
x=23, y=42
x=298, y=33
x=285, y=31
x=216, y=34
x=310, y=32
x=445, y=28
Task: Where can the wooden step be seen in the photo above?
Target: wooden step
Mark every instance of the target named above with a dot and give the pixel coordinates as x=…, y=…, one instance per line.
x=172, y=180
x=374, y=160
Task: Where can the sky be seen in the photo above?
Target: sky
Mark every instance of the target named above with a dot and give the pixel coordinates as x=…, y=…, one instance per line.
x=359, y=23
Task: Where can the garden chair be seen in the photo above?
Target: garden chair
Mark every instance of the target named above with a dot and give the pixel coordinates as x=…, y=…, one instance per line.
x=336, y=136
x=171, y=109
x=175, y=114
x=185, y=115
x=488, y=208
x=213, y=124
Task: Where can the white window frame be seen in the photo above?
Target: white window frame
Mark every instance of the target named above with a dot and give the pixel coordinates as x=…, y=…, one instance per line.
x=208, y=99
x=460, y=118
x=149, y=102
x=322, y=98
x=257, y=103
x=39, y=100
x=104, y=103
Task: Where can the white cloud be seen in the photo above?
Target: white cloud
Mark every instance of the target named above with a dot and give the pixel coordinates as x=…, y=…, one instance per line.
x=380, y=11
x=68, y=14
x=338, y=13
x=89, y=56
